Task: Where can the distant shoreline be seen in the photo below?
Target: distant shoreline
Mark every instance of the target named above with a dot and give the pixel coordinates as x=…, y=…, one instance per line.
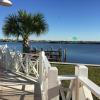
x=59, y=42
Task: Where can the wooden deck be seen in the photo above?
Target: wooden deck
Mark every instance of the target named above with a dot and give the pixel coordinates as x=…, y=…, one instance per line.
x=14, y=86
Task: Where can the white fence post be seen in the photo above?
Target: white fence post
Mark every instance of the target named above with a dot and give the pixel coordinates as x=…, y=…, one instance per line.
x=16, y=62
x=40, y=67
x=27, y=64
x=48, y=78
x=53, y=85
x=80, y=91
x=41, y=75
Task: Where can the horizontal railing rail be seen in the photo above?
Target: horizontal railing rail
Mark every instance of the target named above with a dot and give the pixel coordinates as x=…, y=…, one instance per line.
x=66, y=77
x=66, y=63
x=95, y=89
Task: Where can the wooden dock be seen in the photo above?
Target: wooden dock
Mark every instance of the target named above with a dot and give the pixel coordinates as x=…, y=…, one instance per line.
x=17, y=87
x=52, y=55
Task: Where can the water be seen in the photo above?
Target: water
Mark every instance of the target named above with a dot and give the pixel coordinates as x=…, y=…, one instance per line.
x=76, y=53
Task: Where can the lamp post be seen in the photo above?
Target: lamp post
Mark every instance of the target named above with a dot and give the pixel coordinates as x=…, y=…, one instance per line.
x=5, y=2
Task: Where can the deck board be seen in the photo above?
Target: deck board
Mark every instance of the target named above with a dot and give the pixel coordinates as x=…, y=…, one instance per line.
x=14, y=86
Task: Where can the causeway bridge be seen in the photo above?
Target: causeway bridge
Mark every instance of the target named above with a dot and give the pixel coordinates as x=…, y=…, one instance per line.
x=31, y=77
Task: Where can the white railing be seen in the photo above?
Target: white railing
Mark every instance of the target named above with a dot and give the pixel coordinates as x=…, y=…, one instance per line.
x=91, y=86
x=81, y=88
x=6, y=58
x=43, y=75
x=25, y=64
x=48, y=79
x=38, y=66
x=18, y=62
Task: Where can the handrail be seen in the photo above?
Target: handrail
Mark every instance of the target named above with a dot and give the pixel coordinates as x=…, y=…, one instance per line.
x=66, y=77
x=44, y=67
x=95, y=89
x=67, y=63
x=46, y=62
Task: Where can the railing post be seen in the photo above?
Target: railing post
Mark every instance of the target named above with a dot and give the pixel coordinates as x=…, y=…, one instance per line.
x=16, y=62
x=48, y=78
x=78, y=92
x=41, y=77
x=40, y=67
x=6, y=61
x=53, y=85
x=27, y=64
x=37, y=68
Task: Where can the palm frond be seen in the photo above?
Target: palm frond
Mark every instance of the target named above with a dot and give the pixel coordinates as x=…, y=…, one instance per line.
x=39, y=23
x=25, y=24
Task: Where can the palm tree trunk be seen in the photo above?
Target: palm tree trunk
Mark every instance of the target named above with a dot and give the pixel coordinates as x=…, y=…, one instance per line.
x=26, y=48
x=17, y=38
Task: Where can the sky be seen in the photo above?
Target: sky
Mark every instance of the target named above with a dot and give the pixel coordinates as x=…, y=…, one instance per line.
x=67, y=19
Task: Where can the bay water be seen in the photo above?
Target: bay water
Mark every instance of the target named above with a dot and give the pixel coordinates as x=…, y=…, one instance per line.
x=76, y=53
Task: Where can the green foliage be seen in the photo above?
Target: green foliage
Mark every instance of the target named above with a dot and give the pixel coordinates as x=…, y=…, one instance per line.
x=94, y=74
x=65, y=69
x=24, y=24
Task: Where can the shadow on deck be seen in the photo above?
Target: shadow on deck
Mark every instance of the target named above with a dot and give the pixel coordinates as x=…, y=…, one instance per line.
x=14, y=86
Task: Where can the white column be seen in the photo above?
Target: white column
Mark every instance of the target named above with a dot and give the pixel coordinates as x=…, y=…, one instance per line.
x=27, y=64
x=53, y=85
x=42, y=77
x=16, y=62
x=79, y=91
x=41, y=67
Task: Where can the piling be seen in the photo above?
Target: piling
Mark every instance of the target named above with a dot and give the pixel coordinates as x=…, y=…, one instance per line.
x=65, y=52
x=60, y=54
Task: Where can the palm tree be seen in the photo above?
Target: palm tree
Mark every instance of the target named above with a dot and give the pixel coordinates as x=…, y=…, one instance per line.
x=25, y=24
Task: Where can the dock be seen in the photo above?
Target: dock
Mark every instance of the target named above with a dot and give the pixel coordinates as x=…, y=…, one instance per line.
x=57, y=55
